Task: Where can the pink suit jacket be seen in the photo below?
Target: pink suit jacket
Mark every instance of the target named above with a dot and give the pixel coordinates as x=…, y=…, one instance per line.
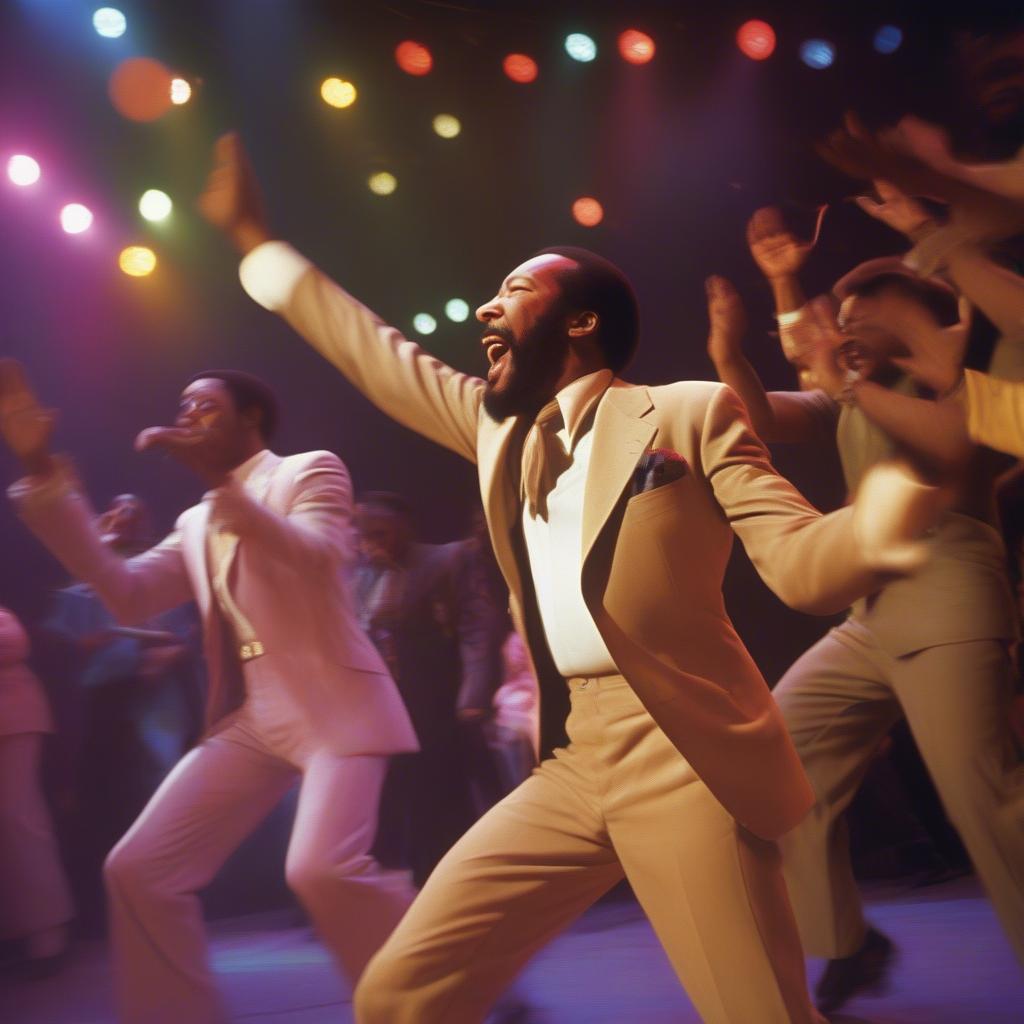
x=23, y=704
x=286, y=575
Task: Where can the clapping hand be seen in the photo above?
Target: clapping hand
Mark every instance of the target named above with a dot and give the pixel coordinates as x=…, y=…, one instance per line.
x=894, y=208
x=727, y=319
x=776, y=250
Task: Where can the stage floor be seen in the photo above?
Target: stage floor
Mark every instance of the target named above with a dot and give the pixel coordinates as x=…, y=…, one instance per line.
x=955, y=968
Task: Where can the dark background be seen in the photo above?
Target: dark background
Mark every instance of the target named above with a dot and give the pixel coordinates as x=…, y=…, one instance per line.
x=679, y=151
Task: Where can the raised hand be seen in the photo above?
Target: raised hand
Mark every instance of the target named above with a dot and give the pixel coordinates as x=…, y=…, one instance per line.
x=859, y=154
x=776, y=250
x=891, y=512
x=231, y=199
x=727, y=318
x=26, y=425
x=895, y=209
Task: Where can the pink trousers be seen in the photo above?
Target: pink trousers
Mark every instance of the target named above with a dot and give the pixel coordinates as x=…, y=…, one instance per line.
x=213, y=798
x=34, y=893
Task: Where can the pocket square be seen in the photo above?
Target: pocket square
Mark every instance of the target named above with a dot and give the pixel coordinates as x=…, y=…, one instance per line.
x=658, y=467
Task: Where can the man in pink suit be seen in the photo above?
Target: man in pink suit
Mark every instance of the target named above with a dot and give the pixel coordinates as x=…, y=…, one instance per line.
x=295, y=687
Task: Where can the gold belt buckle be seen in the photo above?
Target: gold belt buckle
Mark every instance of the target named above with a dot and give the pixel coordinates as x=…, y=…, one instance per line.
x=253, y=649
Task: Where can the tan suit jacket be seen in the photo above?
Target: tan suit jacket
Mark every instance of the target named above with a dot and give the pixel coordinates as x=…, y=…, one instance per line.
x=286, y=575
x=962, y=592
x=653, y=564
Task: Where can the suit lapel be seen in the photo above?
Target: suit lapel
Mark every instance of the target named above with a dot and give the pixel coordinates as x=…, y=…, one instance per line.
x=499, y=485
x=194, y=529
x=621, y=436
x=258, y=488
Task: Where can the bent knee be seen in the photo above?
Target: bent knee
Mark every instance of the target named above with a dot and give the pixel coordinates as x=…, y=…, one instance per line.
x=381, y=996
x=126, y=868
x=314, y=874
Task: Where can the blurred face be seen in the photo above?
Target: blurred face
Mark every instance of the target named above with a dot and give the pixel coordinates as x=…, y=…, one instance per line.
x=207, y=408
x=125, y=524
x=383, y=536
x=525, y=337
x=870, y=328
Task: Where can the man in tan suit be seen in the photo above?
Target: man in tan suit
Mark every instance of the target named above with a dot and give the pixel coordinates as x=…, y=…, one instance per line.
x=611, y=509
x=296, y=689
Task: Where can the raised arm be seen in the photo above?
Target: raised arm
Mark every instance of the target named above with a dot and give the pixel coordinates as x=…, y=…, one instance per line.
x=777, y=416
x=815, y=563
x=403, y=380
x=996, y=291
x=54, y=507
x=932, y=433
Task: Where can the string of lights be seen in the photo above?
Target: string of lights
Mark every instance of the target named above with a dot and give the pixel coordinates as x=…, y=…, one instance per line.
x=143, y=90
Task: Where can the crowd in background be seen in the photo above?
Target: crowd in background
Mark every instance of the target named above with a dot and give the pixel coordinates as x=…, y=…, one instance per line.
x=122, y=704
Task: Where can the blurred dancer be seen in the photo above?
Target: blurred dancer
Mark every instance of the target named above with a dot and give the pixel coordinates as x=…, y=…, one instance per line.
x=933, y=646
x=512, y=730
x=295, y=687
x=35, y=900
x=609, y=507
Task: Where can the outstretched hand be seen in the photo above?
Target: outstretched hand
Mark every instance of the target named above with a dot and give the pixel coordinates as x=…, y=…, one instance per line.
x=184, y=445
x=231, y=199
x=25, y=424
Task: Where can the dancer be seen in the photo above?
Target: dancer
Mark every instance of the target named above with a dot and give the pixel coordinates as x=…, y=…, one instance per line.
x=295, y=687
x=432, y=629
x=609, y=506
x=933, y=647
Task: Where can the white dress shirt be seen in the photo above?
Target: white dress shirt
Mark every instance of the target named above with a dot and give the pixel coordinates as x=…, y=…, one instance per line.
x=554, y=545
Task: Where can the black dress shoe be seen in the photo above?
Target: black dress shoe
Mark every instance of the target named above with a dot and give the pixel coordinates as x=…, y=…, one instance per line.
x=867, y=970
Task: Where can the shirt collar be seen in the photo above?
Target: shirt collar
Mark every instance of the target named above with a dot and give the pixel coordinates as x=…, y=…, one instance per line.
x=578, y=398
x=246, y=469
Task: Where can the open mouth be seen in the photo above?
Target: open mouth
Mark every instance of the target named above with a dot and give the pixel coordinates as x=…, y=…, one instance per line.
x=498, y=354
x=495, y=348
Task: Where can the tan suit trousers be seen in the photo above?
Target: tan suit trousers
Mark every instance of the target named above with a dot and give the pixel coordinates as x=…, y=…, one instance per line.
x=213, y=798
x=619, y=800
x=839, y=700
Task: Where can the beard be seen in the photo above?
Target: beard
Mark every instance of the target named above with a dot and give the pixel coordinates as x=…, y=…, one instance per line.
x=536, y=361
